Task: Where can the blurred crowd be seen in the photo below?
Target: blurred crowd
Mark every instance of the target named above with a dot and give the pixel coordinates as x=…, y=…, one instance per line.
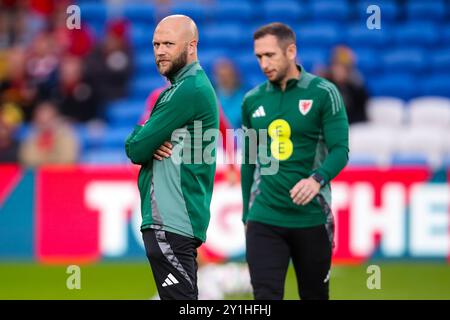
x=53, y=78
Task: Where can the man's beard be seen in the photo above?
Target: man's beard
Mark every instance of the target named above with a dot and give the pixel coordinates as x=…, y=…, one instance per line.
x=281, y=75
x=178, y=63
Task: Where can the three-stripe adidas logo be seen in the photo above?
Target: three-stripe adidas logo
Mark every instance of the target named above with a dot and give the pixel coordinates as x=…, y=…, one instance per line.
x=327, y=278
x=259, y=112
x=170, y=280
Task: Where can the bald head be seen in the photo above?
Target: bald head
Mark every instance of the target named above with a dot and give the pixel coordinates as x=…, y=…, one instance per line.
x=175, y=43
x=183, y=25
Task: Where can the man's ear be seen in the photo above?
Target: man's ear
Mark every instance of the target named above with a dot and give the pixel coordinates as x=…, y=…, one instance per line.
x=192, y=47
x=291, y=51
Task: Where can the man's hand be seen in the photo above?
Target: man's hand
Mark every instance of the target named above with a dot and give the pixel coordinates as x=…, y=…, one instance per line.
x=164, y=151
x=304, y=191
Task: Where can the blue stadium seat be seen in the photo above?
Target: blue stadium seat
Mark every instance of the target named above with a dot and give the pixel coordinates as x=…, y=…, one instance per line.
x=233, y=11
x=311, y=58
x=420, y=9
x=388, y=8
x=83, y=136
x=318, y=34
x=198, y=11
x=89, y=136
x=445, y=34
x=124, y=112
x=287, y=11
x=102, y=137
x=246, y=58
x=330, y=10
x=436, y=85
x=417, y=34
x=93, y=12
x=358, y=35
x=115, y=137
x=95, y=28
x=400, y=48
x=142, y=87
x=440, y=60
x=254, y=80
x=393, y=84
x=400, y=159
x=227, y=34
x=404, y=59
x=361, y=160
x=367, y=59
x=141, y=36
x=105, y=156
x=139, y=12
x=208, y=58
x=248, y=65
x=252, y=72
x=23, y=131
x=144, y=63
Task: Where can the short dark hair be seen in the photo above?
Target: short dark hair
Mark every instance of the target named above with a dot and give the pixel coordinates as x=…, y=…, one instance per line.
x=281, y=31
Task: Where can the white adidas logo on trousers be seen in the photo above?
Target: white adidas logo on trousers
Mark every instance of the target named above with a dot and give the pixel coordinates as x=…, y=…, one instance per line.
x=170, y=280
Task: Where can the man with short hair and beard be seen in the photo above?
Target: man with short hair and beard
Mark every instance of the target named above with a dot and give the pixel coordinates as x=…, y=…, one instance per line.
x=287, y=214
x=176, y=195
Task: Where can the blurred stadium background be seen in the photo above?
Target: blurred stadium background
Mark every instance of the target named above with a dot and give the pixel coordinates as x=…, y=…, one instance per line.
x=68, y=99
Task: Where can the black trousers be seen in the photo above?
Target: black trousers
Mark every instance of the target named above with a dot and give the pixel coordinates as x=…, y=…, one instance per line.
x=173, y=261
x=269, y=250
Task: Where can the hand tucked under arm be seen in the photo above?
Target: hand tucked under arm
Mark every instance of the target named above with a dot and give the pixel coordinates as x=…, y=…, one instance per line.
x=164, y=151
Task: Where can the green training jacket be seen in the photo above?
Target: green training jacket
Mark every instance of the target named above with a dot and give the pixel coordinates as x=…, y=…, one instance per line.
x=176, y=192
x=307, y=132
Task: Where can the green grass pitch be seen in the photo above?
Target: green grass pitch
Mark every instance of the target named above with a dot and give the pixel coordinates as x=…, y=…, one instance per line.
x=127, y=280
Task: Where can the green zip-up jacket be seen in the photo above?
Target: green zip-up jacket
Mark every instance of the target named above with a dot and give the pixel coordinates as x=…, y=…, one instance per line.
x=307, y=132
x=176, y=192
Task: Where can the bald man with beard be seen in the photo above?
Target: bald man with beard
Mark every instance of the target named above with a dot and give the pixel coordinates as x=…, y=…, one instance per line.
x=176, y=185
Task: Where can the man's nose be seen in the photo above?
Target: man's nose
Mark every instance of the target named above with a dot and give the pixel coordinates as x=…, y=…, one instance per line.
x=264, y=63
x=160, y=51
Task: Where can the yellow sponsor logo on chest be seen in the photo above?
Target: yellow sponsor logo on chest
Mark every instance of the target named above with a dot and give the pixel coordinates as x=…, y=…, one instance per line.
x=281, y=145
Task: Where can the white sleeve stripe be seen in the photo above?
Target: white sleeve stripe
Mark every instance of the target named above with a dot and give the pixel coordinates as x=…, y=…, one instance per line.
x=335, y=93
x=332, y=97
x=337, y=102
x=333, y=101
x=171, y=93
x=338, y=97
